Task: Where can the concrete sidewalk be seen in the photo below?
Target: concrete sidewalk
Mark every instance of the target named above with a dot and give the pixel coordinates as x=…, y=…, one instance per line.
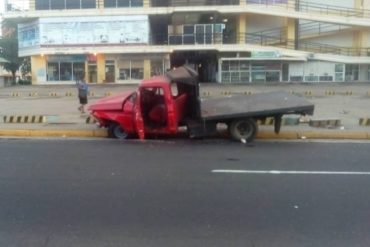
x=58, y=104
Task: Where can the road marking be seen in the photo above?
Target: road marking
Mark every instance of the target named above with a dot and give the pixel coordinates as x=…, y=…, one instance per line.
x=277, y=172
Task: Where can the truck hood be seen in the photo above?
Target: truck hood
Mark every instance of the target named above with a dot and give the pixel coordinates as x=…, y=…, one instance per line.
x=110, y=103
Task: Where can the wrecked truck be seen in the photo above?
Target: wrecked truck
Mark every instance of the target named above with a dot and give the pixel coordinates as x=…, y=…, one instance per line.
x=165, y=104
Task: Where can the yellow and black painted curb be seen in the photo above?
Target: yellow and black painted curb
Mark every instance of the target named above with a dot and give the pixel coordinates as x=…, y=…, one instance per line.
x=262, y=134
x=284, y=121
x=314, y=134
x=364, y=121
x=53, y=133
x=108, y=94
x=329, y=93
x=324, y=123
x=24, y=119
x=53, y=94
x=91, y=94
x=308, y=93
x=33, y=94
x=15, y=94
x=69, y=94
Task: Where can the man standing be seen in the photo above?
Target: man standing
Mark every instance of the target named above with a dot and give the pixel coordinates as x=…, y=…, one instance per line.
x=82, y=93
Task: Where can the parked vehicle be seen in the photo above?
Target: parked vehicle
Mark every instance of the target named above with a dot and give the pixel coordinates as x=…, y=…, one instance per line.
x=162, y=104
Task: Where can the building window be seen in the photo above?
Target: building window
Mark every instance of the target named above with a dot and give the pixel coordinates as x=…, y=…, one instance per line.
x=131, y=70
x=235, y=71
x=72, y=4
x=156, y=67
x=42, y=4
x=57, y=4
x=88, y=4
x=64, y=4
x=352, y=72
x=65, y=71
x=339, y=72
x=122, y=3
x=53, y=72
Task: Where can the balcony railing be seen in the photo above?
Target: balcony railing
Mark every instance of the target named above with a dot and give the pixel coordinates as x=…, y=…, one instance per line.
x=297, y=5
x=310, y=7
x=305, y=45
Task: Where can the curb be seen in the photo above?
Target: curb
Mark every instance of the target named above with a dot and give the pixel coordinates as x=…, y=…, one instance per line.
x=53, y=133
x=310, y=134
x=262, y=134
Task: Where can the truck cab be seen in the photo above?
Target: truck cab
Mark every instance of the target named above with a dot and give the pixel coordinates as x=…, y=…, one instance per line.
x=159, y=106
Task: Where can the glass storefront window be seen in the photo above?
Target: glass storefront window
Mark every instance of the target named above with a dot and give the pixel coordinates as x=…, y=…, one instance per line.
x=352, y=72
x=235, y=71
x=65, y=71
x=157, y=67
x=131, y=69
x=78, y=70
x=53, y=72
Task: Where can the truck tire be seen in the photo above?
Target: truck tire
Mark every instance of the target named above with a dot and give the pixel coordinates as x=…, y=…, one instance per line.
x=116, y=131
x=243, y=129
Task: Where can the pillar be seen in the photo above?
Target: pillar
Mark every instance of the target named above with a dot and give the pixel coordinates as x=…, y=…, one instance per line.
x=38, y=69
x=147, y=69
x=292, y=34
x=241, y=29
x=359, y=4
x=243, y=3
x=100, y=4
x=146, y=3
x=100, y=64
x=32, y=5
x=360, y=41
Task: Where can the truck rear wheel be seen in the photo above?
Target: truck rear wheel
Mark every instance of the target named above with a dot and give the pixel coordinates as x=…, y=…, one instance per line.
x=243, y=129
x=116, y=131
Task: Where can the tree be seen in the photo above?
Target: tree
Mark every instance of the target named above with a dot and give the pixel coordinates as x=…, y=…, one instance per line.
x=9, y=48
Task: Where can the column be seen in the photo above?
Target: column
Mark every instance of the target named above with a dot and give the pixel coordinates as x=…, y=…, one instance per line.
x=292, y=34
x=100, y=4
x=146, y=3
x=32, y=5
x=147, y=68
x=38, y=69
x=241, y=27
x=360, y=41
x=100, y=64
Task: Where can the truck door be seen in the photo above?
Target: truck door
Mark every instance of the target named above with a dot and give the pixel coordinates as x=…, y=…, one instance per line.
x=139, y=122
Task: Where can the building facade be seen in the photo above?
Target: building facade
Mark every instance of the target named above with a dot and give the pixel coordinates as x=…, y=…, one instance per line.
x=226, y=41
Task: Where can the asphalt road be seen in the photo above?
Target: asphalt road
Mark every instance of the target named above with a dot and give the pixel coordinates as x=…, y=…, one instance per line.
x=183, y=193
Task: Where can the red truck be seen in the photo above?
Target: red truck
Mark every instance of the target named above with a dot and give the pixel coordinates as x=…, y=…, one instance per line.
x=163, y=104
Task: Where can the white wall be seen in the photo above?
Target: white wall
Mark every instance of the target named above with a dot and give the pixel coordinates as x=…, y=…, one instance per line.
x=340, y=3
x=258, y=23
x=340, y=39
x=318, y=68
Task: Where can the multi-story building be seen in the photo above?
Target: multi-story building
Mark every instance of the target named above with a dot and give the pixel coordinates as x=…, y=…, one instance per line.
x=227, y=41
